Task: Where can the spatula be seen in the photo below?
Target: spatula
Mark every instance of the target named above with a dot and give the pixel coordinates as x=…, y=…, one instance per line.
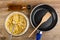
x=12, y=30
x=44, y=19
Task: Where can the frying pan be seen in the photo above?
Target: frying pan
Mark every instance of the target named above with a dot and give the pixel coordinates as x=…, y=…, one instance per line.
x=38, y=12
x=36, y=16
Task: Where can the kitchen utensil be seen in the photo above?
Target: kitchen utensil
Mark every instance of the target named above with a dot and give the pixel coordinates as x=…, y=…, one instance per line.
x=15, y=12
x=44, y=19
x=38, y=35
x=18, y=7
x=37, y=14
x=12, y=30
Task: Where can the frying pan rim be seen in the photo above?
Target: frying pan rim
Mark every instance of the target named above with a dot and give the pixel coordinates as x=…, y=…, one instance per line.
x=34, y=9
x=31, y=13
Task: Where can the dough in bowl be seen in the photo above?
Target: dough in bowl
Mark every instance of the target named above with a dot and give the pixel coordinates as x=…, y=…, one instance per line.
x=16, y=23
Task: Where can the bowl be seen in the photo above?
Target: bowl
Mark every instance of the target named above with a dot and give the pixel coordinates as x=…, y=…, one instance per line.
x=19, y=13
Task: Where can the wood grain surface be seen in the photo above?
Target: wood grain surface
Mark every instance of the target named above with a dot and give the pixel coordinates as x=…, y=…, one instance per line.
x=53, y=34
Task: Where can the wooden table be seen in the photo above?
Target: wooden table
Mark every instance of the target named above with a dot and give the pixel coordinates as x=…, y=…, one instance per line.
x=54, y=34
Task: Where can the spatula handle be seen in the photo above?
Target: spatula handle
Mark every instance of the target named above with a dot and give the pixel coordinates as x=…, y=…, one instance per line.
x=34, y=30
